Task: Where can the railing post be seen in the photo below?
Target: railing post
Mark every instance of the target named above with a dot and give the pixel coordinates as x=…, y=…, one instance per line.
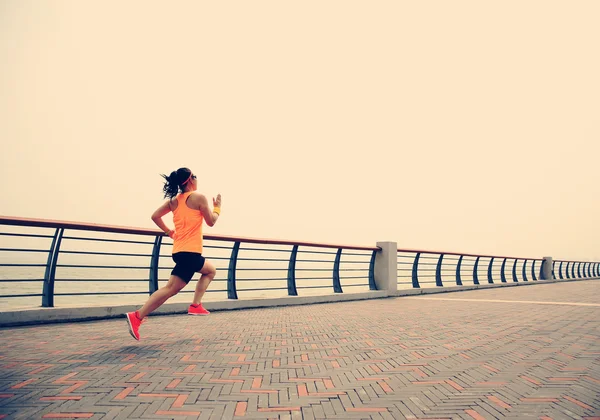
x=48, y=288
x=489, y=276
x=553, y=265
x=458, y=265
x=438, y=272
x=372, y=283
x=533, y=270
x=337, y=286
x=546, y=269
x=579, y=270
x=560, y=276
x=386, y=266
x=415, y=271
x=567, y=270
x=475, y=269
x=291, y=278
x=573, y=270
x=502, y=274
x=589, y=270
x=514, y=272
x=525, y=270
x=153, y=284
x=231, y=286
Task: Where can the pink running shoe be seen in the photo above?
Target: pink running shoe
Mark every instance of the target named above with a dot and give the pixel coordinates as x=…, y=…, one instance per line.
x=134, y=323
x=197, y=310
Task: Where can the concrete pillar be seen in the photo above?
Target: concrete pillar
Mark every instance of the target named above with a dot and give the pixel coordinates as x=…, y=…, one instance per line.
x=386, y=266
x=546, y=271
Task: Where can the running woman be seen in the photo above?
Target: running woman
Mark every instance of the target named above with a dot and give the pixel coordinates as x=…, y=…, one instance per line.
x=189, y=209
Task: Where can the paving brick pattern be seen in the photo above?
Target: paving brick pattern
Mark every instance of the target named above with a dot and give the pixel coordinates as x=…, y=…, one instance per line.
x=482, y=354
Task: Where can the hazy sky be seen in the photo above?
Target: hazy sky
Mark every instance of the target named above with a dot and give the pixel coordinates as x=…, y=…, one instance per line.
x=458, y=126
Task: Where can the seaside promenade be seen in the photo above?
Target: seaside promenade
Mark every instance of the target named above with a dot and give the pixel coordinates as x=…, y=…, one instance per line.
x=515, y=352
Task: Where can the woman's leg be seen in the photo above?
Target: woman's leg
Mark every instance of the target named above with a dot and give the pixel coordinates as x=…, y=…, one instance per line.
x=174, y=285
x=208, y=272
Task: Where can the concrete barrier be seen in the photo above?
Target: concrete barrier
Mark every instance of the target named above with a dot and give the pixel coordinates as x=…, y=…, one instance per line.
x=33, y=316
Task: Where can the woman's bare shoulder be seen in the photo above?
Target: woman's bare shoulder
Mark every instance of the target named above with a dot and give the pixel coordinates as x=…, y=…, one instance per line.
x=198, y=198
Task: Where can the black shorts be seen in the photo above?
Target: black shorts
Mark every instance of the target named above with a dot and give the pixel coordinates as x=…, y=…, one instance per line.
x=187, y=264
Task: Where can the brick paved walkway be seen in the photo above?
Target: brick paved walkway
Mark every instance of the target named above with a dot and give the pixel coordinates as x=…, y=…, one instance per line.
x=503, y=353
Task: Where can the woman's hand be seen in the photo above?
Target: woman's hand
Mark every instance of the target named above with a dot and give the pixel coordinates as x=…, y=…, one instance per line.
x=217, y=201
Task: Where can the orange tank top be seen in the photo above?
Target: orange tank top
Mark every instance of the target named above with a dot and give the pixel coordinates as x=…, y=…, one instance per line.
x=188, y=227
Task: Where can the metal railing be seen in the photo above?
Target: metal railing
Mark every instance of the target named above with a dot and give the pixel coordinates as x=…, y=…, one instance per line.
x=329, y=266
x=574, y=269
x=243, y=264
x=432, y=268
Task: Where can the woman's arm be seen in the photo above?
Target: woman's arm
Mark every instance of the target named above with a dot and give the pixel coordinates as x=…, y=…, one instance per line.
x=211, y=216
x=157, y=218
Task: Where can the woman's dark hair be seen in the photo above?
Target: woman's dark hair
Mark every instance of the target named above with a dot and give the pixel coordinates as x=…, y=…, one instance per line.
x=174, y=182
